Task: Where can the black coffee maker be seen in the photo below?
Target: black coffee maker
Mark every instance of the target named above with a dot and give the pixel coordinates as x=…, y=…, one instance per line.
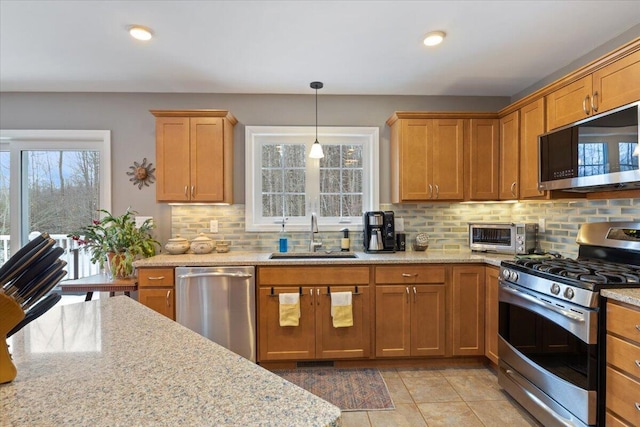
x=378, y=233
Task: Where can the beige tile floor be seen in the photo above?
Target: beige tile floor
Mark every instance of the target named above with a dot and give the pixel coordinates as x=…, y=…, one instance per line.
x=427, y=397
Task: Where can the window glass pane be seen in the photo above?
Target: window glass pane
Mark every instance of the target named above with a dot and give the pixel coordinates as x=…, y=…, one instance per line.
x=341, y=174
x=352, y=205
x=330, y=205
x=283, y=180
x=332, y=154
x=352, y=156
x=4, y=206
x=330, y=180
x=352, y=181
x=61, y=192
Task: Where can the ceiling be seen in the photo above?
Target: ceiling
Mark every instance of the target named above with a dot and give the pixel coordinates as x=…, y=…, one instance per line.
x=492, y=48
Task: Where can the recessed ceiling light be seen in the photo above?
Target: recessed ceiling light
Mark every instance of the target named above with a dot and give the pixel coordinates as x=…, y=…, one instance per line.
x=140, y=33
x=434, y=38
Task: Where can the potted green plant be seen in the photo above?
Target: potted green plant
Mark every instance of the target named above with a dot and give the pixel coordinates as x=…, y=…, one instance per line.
x=117, y=240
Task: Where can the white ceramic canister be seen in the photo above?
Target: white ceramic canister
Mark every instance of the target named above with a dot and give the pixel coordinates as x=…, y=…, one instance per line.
x=176, y=246
x=202, y=244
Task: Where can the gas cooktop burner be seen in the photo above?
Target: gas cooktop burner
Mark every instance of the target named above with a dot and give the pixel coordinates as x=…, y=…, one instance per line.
x=584, y=270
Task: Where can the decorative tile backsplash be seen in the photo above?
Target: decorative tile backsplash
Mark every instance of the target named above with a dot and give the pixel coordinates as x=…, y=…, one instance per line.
x=445, y=223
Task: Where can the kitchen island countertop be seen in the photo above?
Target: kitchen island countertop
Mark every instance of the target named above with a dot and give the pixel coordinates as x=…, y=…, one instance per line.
x=114, y=362
x=262, y=258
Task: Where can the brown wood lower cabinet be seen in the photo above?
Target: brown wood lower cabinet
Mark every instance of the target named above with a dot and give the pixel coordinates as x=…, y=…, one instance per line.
x=156, y=290
x=410, y=311
x=314, y=337
x=623, y=369
x=491, y=313
x=468, y=302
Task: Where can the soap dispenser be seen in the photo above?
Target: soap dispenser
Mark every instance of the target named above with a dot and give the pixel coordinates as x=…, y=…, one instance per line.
x=345, y=243
x=283, y=242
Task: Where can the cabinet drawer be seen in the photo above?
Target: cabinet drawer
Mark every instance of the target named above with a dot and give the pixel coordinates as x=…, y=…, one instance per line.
x=623, y=321
x=613, y=421
x=154, y=277
x=410, y=274
x=623, y=396
x=623, y=355
x=299, y=276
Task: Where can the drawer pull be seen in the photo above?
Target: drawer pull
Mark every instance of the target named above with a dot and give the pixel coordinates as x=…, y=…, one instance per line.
x=637, y=406
x=638, y=363
x=155, y=277
x=416, y=275
x=638, y=327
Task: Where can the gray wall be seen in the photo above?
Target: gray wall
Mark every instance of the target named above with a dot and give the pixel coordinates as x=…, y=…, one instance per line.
x=133, y=127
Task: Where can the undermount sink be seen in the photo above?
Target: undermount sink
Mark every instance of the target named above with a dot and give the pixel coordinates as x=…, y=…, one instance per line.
x=309, y=255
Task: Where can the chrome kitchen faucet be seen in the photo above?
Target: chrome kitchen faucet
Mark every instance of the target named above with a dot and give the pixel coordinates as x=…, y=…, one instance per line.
x=313, y=243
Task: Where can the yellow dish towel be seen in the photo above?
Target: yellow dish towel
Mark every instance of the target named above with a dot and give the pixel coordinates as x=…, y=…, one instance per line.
x=341, y=309
x=289, y=309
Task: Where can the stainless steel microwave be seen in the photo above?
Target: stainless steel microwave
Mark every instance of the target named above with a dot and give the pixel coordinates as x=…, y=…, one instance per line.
x=504, y=237
x=595, y=154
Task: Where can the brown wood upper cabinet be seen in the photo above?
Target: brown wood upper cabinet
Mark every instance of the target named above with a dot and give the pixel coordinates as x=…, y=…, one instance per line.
x=436, y=156
x=531, y=126
x=606, y=88
x=508, y=187
x=194, y=155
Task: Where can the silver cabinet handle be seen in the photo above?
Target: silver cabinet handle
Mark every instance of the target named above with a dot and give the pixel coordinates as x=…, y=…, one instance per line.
x=155, y=277
x=186, y=187
x=585, y=105
x=215, y=274
x=430, y=191
x=193, y=191
x=594, y=102
x=409, y=275
x=318, y=294
x=513, y=188
x=407, y=289
x=168, y=296
x=638, y=327
x=637, y=363
x=311, y=295
x=437, y=191
x=415, y=293
x=637, y=406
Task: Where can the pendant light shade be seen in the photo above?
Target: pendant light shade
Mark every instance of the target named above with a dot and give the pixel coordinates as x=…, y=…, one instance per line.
x=316, y=148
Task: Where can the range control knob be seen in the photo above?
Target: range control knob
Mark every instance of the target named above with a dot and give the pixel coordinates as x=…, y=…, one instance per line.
x=568, y=293
x=505, y=273
x=513, y=276
x=555, y=289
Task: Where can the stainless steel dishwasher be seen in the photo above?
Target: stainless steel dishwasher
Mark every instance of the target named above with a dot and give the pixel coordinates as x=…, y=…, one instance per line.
x=219, y=303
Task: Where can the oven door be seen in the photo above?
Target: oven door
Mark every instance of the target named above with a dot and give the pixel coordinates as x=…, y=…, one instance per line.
x=548, y=356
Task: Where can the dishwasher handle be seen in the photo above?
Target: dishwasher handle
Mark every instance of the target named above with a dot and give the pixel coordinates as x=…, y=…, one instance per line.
x=216, y=274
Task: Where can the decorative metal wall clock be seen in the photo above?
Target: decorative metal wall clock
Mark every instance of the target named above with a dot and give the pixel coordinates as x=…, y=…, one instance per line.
x=142, y=174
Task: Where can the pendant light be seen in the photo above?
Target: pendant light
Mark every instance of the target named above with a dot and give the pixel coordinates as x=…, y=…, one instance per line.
x=316, y=148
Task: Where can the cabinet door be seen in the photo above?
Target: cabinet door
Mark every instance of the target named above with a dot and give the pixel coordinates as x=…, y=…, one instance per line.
x=161, y=300
x=415, y=156
x=172, y=159
x=569, y=104
x=617, y=84
x=448, y=159
x=531, y=126
x=468, y=298
x=491, y=313
x=347, y=342
x=509, y=156
x=207, y=159
x=393, y=332
x=483, y=156
x=428, y=317
x=286, y=342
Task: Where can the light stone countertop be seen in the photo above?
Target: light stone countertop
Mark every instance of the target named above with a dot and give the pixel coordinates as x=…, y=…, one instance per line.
x=262, y=258
x=628, y=295
x=114, y=362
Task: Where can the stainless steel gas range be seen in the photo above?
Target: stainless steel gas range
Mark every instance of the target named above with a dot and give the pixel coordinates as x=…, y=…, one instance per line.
x=551, y=324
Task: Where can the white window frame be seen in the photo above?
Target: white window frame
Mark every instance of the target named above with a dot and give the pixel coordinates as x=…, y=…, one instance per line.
x=257, y=135
x=27, y=140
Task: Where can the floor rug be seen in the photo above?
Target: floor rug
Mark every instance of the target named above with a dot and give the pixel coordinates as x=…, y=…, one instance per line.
x=348, y=389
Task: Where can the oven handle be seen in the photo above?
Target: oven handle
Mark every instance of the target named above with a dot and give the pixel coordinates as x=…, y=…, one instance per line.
x=515, y=377
x=536, y=301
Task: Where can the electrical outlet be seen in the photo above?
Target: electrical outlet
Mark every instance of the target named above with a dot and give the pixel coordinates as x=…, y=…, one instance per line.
x=542, y=225
x=213, y=226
